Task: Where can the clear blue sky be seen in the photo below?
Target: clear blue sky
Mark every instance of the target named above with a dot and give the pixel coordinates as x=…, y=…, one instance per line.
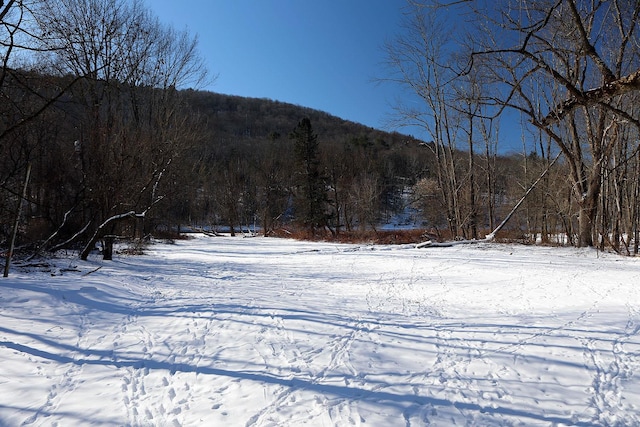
x=322, y=54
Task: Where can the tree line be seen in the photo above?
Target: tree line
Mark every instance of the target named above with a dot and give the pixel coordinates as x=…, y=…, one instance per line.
x=97, y=138
x=570, y=69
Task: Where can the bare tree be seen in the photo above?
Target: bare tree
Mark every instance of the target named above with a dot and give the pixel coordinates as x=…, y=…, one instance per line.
x=272, y=177
x=418, y=60
x=571, y=68
x=126, y=125
x=25, y=98
x=581, y=59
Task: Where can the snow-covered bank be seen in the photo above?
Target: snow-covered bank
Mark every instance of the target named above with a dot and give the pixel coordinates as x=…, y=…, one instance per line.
x=242, y=332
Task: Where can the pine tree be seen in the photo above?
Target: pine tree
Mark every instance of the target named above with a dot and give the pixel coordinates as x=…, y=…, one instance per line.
x=312, y=197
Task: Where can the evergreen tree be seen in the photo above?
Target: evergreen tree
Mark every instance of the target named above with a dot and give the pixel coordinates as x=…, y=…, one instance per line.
x=311, y=200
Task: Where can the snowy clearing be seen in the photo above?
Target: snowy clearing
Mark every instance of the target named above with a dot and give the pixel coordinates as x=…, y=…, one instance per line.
x=270, y=332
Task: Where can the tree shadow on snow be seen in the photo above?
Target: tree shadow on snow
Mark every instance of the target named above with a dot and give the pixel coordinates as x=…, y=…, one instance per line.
x=377, y=397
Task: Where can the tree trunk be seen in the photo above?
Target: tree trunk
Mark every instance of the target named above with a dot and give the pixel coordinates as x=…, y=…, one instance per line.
x=636, y=208
x=100, y=231
x=473, y=211
x=585, y=227
x=14, y=233
x=588, y=209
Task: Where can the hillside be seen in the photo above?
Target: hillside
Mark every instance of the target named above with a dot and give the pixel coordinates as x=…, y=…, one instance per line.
x=245, y=148
x=103, y=153
x=231, y=116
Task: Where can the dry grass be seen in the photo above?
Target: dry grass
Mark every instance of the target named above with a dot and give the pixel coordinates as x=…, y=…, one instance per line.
x=393, y=237
x=388, y=237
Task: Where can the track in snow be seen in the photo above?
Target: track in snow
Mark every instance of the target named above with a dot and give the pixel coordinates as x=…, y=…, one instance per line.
x=258, y=332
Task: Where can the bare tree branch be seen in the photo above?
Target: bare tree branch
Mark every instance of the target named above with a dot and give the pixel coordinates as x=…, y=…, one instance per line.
x=621, y=86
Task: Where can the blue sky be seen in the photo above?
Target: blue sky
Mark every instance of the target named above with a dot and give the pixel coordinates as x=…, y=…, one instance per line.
x=322, y=54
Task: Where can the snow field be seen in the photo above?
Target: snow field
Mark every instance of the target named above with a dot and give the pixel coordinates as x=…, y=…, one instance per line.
x=265, y=332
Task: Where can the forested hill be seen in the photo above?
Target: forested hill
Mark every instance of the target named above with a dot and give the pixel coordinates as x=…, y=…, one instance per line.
x=250, y=167
x=112, y=159
x=99, y=156
x=234, y=117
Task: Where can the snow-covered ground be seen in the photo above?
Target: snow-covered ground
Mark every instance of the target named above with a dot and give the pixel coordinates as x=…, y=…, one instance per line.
x=265, y=332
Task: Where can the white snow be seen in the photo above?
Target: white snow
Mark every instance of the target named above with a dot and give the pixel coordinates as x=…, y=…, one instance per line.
x=266, y=332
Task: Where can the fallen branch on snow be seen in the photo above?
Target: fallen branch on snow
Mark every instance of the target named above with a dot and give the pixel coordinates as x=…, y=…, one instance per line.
x=491, y=236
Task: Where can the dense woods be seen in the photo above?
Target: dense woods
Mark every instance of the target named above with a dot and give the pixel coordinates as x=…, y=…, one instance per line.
x=98, y=139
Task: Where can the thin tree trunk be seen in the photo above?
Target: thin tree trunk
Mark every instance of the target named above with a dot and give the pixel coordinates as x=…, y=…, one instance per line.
x=473, y=217
x=17, y=222
x=492, y=235
x=636, y=208
x=490, y=159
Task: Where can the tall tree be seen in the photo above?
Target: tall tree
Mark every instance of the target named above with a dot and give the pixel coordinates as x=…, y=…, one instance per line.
x=126, y=126
x=273, y=183
x=572, y=68
x=416, y=59
x=25, y=98
x=581, y=59
x=312, y=200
